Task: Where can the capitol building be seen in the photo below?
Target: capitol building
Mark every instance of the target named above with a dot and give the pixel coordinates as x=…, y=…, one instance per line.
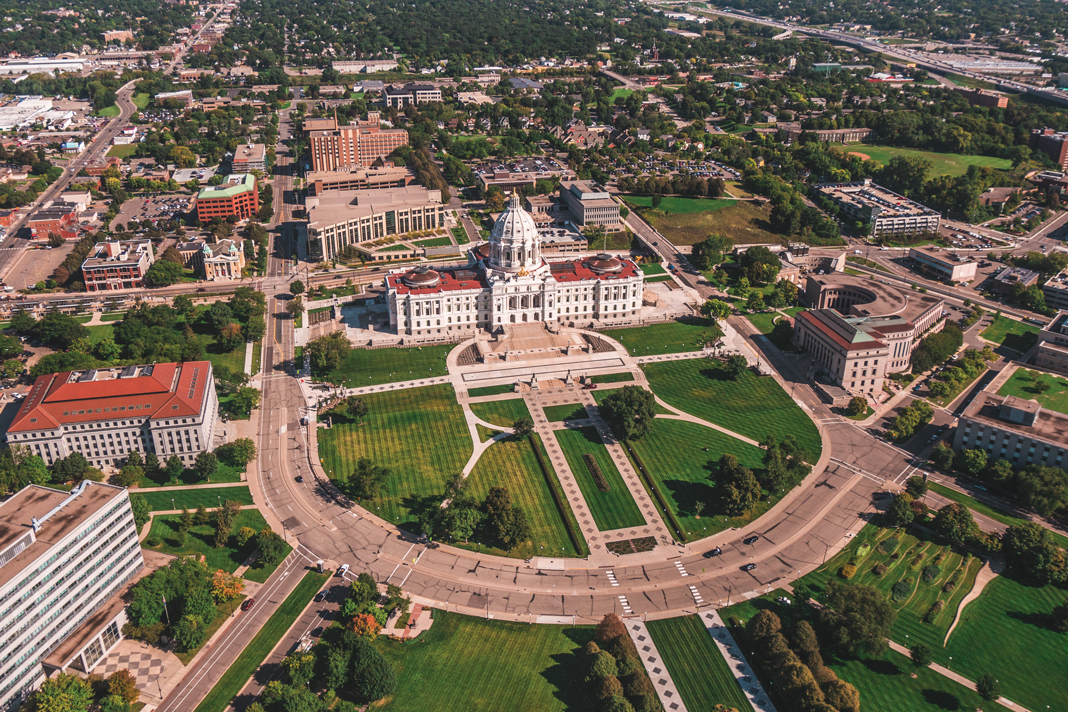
x=508, y=282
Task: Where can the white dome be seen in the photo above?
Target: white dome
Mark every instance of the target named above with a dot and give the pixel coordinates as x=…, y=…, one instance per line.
x=514, y=239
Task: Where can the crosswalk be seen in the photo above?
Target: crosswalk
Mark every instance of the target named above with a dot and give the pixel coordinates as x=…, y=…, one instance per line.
x=611, y=577
x=697, y=596
x=626, y=606
x=681, y=568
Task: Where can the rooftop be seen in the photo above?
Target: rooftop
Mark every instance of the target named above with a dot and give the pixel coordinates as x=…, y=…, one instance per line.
x=250, y=153
x=942, y=257
x=1049, y=425
x=885, y=301
x=867, y=194
x=235, y=184
x=331, y=207
x=111, y=252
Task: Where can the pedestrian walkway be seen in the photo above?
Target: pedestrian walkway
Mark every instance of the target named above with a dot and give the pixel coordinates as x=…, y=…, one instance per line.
x=249, y=347
x=661, y=678
x=736, y=661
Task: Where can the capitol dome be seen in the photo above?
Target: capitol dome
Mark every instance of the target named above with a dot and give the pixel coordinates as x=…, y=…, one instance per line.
x=514, y=239
x=421, y=277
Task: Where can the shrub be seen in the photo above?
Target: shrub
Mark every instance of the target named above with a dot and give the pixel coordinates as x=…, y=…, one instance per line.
x=900, y=591
x=848, y=571
x=933, y=611
x=863, y=550
x=595, y=472
x=917, y=561
x=879, y=569
x=931, y=572
x=949, y=586
x=153, y=542
x=888, y=545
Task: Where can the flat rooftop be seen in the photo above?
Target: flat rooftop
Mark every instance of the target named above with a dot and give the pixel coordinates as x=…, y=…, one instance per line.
x=250, y=153
x=871, y=195
x=332, y=207
x=885, y=300
x=1049, y=425
x=942, y=257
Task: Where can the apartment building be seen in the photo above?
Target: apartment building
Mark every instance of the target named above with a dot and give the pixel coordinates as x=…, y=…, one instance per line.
x=334, y=147
x=249, y=157
x=1051, y=353
x=1051, y=143
x=589, y=204
x=980, y=97
x=238, y=196
x=884, y=211
x=63, y=558
x=340, y=219
x=115, y=264
x=165, y=408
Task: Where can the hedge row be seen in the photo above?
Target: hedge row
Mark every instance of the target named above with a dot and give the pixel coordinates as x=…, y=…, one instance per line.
x=595, y=472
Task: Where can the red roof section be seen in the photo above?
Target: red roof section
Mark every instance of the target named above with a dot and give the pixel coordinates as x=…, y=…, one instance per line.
x=582, y=272
x=172, y=390
x=470, y=279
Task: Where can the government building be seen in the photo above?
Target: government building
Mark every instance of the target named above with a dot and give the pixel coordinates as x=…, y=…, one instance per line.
x=333, y=147
x=165, y=408
x=509, y=282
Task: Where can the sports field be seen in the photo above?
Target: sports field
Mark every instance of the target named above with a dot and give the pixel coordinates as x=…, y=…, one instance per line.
x=751, y=406
x=680, y=336
x=1026, y=384
x=464, y=664
x=685, y=221
x=503, y=412
x=613, y=509
x=696, y=665
x=418, y=433
x=511, y=464
x=951, y=164
x=371, y=367
x=1011, y=334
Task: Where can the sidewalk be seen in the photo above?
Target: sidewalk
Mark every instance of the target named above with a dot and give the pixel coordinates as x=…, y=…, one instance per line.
x=736, y=661
x=658, y=674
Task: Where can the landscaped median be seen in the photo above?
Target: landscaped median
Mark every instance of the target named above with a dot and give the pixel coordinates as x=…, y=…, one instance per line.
x=235, y=677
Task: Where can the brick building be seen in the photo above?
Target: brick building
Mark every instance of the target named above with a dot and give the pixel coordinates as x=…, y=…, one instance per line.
x=1051, y=143
x=236, y=196
x=117, y=265
x=360, y=144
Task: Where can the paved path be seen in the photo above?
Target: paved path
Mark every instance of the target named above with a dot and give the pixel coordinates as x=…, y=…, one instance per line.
x=991, y=569
x=736, y=661
x=176, y=488
x=661, y=678
x=249, y=346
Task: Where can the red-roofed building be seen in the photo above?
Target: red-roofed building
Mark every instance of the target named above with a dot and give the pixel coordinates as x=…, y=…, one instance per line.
x=167, y=408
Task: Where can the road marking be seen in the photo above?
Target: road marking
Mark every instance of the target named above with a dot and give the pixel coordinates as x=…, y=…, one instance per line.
x=697, y=596
x=853, y=468
x=626, y=606
x=611, y=577
x=681, y=568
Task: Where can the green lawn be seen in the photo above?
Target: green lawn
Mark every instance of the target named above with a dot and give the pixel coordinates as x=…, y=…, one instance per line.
x=109, y=111
x=511, y=464
x=690, y=220
x=619, y=91
x=122, y=150
x=418, y=433
x=651, y=268
x=434, y=242
x=503, y=412
x=681, y=205
x=751, y=406
x=239, y=672
x=141, y=99
x=225, y=473
x=101, y=332
x=986, y=510
x=689, y=334
x=119, y=316
x=491, y=390
x=950, y=164
x=372, y=367
x=613, y=509
x=674, y=453
x=465, y=664
x=200, y=539
x=763, y=321
x=697, y=668
x=613, y=378
x=460, y=235
x=567, y=411
x=1011, y=334
x=195, y=497
x=1024, y=384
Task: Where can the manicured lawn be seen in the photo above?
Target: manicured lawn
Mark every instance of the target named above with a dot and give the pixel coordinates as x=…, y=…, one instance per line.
x=698, y=669
x=988, y=511
x=511, y=464
x=195, y=497
x=619, y=91
x=751, y=406
x=433, y=242
x=568, y=411
x=674, y=452
x=257, y=356
x=109, y=111
x=484, y=433
x=1024, y=384
x=418, y=433
x=460, y=235
x=1005, y=632
x=651, y=268
x=239, y=672
x=225, y=473
x=681, y=205
x=689, y=334
x=463, y=664
x=1011, y=334
x=99, y=333
x=394, y=248
x=951, y=164
x=691, y=220
x=123, y=150
x=491, y=390
x=613, y=378
x=763, y=321
x=371, y=367
x=613, y=509
x=113, y=317
x=201, y=539
x=502, y=412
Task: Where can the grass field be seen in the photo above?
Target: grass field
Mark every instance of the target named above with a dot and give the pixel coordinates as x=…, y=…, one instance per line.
x=914, y=623
x=674, y=452
x=119, y=316
x=613, y=509
x=690, y=220
x=613, y=378
x=195, y=497
x=752, y=406
x=433, y=242
x=651, y=268
x=239, y=672
x=1023, y=384
x=689, y=334
x=225, y=473
x=200, y=539
x=491, y=390
x=460, y=235
x=1011, y=334
x=996, y=514
x=502, y=412
x=951, y=164
x=101, y=332
x=484, y=433
x=418, y=433
x=567, y=411
x=465, y=664
x=512, y=464
x=122, y=151
x=371, y=367
x=619, y=91
x=1005, y=631
x=763, y=321
x=696, y=665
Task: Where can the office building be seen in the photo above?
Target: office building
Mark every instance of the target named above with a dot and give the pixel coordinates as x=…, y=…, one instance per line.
x=1014, y=429
x=373, y=178
x=884, y=211
x=1056, y=291
x=222, y=261
x=64, y=557
x=56, y=219
x=943, y=264
x=116, y=264
x=1007, y=279
x=165, y=408
x=411, y=95
x=589, y=204
x=1051, y=143
x=339, y=219
x=185, y=96
x=980, y=97
x=1051, y=352
x=249, y=157
x=237, y=195
x=334, y=147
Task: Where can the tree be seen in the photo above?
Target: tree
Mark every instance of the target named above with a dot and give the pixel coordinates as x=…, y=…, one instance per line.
x=295, y=307
x=163, y=274
x=1030, y=551
x=755, y=302
x=716, y=309
x=523, y=427
x=129, y=476
x=900, y=512
x=1043, y=488
x=988, y=687
x=736, y=486
x=245, y=535
x=954, y=522
x=174, y=467
x=206, y=465
x=183, y=304
x=1059, y=618
x=10, y=347
x=709, y=252
x=64, y=692
x=916, y=486
x=736, y=365
x=123, y=684
x=921, y=655
x=858, y=619
x=365, y=626
x=254, y=329
x=366, y=480
x=299, y=668
x=238, y=452
x=356, y=408
x=372, y=676
x=858, y=405
x=59, y=331
x=114, y=703
x=190, y=632
x=328, y=352
x=630, y=411
x=226, y=586
x=22, y=323
x=230, y=337
x=271, y=546
x=942, y=455
x=971, y=461
x=296, y=287
x=71, y=468
x=761, y=265
x=141, y=510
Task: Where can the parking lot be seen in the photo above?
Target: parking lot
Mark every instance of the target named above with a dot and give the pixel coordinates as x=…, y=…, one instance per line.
x=541, y=164
x=153, y=207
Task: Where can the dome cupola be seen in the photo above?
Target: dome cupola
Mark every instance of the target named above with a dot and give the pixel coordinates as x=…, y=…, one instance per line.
x=514, y=239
